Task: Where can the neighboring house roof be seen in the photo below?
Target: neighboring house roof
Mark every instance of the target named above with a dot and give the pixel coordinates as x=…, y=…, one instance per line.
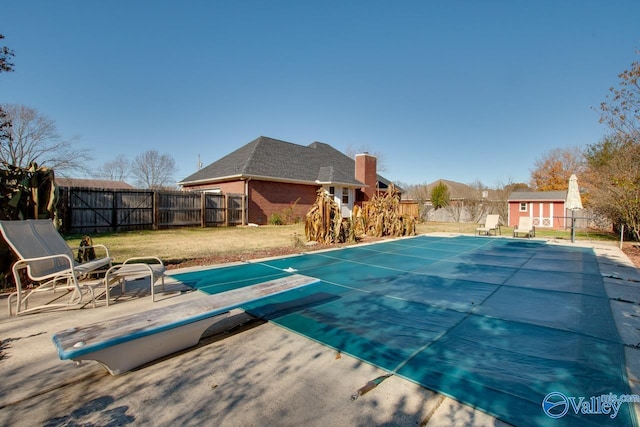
x=383, y=184
x=460, y=191
x=93, y=183
x=457, y=190
x=271, y=159
x=537, y=196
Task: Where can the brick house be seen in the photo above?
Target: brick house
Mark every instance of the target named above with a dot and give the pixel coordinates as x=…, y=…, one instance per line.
x=276, y=175
x=546, y=208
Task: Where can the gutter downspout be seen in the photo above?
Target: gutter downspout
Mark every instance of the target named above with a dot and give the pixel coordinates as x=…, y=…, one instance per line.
x=245, y=218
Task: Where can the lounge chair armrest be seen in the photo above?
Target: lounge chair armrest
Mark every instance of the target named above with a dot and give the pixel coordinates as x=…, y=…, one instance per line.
x=103, y=247
x=27, y=261
x=106, y=249
x=139, y=259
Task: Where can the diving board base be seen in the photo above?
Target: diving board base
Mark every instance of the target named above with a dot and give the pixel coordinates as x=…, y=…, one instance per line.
x=131, y=354
x=124, y=343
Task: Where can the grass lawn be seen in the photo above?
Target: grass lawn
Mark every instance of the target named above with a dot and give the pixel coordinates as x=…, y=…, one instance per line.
x=223, y=244
x=179, y=244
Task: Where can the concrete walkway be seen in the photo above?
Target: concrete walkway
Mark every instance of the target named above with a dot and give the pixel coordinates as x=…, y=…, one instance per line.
x=255, y=374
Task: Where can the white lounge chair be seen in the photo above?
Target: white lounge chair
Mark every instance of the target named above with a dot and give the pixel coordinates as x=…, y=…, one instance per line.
x=49, y=262
x=133, y=268
x=525, y=226
x=492, y=223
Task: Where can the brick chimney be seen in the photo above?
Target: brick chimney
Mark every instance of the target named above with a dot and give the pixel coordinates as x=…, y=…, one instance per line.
x=366, y=172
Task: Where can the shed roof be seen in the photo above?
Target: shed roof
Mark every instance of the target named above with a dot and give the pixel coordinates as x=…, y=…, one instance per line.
x=537, y=196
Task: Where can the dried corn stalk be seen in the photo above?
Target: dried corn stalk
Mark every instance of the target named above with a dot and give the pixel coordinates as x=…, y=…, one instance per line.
x=358, y=224
x=382, y=216
x=322, y=222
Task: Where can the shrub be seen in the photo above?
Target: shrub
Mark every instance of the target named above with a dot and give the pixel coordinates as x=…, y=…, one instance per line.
x=276, y=219
x=286, y=216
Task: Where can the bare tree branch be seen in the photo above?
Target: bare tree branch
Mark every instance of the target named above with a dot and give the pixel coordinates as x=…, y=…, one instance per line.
x=117, y=170
x=154, y=170
x=34, y=138
x=621, y=110
x=381, y=166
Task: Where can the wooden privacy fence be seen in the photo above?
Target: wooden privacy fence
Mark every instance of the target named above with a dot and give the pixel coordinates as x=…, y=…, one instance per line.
x=410, y=208
x=90, y=210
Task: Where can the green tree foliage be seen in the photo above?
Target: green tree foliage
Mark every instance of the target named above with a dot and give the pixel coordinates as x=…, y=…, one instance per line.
x=5, y=58
x=613, y=164
x=613, y=181
x=440, y=196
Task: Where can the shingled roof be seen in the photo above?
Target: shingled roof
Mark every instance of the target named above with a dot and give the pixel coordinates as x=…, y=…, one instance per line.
x=537, y=196
x=457, y=190
x=93, y=183
x=271, y=159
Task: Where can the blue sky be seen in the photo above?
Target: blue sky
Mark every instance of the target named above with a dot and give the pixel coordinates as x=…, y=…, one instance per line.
x=459, y=90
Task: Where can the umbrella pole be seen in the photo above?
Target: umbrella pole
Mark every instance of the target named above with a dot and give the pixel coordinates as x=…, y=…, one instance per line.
x=573, y=226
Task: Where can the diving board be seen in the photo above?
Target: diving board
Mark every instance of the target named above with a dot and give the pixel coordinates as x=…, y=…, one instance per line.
x=124, y=343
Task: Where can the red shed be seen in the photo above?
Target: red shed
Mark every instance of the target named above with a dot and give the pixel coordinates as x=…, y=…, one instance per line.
x=546, y=208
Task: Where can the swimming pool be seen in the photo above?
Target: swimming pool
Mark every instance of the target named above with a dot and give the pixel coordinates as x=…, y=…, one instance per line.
x=498, y=324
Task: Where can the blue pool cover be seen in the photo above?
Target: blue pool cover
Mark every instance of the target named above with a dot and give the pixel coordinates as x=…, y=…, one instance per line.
x=512, y=327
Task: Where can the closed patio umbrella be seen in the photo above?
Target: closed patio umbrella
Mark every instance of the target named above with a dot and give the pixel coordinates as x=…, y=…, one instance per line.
x=573, y=202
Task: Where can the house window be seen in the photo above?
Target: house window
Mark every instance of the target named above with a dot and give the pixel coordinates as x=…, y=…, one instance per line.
x=523, y=206
x=345, y=196
x=332, y=190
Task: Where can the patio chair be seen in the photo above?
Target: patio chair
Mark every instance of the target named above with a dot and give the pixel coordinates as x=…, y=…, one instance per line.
x=491, y=223
x=525, y=226
x=136, y=267
x=49, y=262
